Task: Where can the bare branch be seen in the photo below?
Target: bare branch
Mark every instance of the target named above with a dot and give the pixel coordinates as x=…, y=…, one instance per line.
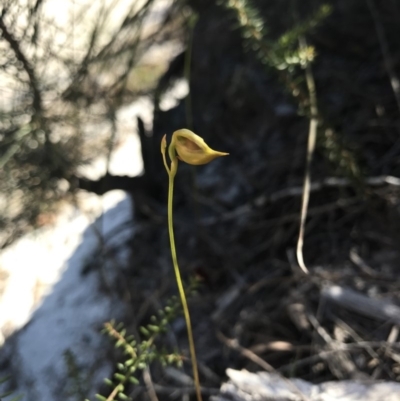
x=37, y=97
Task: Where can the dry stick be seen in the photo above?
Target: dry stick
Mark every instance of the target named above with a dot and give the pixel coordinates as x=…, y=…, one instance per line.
x=330, y=182
x=309, y=360
x=394, y=80
x=379, y=309
x=149, y=385
x=234, y=344
x=312, y=136
x=359, y=339
x=179, y=391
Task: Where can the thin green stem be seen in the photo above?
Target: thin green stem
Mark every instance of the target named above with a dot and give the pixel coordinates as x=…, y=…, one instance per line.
x=180, y=284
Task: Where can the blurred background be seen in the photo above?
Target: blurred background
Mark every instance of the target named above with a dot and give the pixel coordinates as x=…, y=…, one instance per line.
x=88, y=89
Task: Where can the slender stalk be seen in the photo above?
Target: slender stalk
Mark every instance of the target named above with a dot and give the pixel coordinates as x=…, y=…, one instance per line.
x=180, y=284
x=312, y=136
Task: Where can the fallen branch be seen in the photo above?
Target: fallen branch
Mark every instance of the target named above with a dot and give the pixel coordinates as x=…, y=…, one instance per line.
x=246, y=386
x=382, y=310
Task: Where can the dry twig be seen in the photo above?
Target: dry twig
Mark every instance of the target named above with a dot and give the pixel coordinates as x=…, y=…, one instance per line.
x=312, y=137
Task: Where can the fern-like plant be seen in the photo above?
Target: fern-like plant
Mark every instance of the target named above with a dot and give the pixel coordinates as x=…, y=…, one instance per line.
x=138, y=355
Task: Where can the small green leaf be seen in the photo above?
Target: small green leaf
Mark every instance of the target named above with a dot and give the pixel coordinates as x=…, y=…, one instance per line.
x=129, y=362
x=134, y=380
x=119, y=377
x=144, y=331
x=153, y=328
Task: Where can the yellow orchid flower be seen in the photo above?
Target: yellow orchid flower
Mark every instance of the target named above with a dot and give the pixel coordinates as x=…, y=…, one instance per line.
x=192, y=149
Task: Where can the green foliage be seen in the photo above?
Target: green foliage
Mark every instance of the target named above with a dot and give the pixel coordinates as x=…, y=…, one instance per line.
x=285, y=56
x=281, y=54
x=138, y=355
x=340, y=156
x=79, y=383
x=7, y=394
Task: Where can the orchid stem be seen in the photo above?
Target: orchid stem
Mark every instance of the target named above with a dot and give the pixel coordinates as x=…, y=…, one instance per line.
x=171, y=174
x=191, y=149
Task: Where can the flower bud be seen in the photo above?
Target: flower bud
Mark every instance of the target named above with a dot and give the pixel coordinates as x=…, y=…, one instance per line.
x=192, y=149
